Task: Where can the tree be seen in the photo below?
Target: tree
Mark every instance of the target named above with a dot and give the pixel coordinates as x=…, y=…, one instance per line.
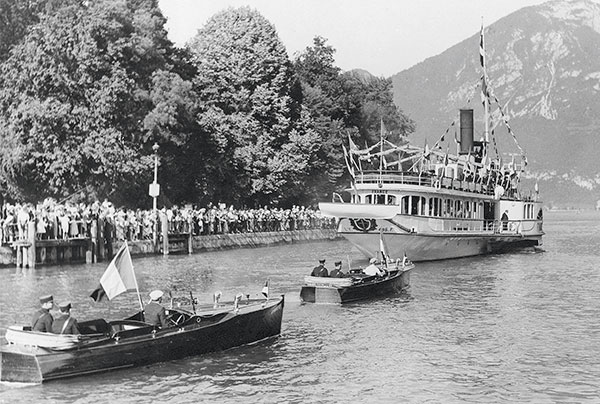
x=331, y=108
x=377, y=106
x=343, y=104
x=244, y=84
x=74, y=94
x=16, y=16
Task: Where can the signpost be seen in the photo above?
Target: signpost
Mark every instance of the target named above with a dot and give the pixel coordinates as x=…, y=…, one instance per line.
x=154, y=191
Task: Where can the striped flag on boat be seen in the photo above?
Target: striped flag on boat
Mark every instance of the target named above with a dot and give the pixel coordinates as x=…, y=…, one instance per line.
x=118, y=278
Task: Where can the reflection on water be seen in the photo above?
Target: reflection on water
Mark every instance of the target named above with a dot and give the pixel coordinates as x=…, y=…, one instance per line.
x=505, y=328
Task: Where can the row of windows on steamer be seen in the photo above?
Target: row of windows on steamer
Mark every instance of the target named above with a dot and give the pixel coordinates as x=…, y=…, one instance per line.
x=434, y=206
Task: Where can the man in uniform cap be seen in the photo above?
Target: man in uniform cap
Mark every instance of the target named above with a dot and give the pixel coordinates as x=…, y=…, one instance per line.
x=42, y=319
x=154, y=313
x=337, y=271
x=64, y=323
x=320, y=270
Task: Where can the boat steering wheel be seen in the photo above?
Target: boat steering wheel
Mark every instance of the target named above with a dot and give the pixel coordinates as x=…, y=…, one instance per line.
x=176, y=318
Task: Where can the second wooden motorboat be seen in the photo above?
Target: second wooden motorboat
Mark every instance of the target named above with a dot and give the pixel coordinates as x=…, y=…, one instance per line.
x=356, y=286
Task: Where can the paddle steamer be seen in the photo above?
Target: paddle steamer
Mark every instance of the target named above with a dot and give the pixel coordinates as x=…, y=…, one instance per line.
x=432, y=204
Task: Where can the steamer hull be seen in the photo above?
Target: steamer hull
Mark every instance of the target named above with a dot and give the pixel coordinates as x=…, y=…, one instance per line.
x=416, y=225
x=438, y=247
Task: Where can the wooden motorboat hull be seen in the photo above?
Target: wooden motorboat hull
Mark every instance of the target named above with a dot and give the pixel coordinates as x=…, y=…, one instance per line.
x=226, y=329
x=396, y=282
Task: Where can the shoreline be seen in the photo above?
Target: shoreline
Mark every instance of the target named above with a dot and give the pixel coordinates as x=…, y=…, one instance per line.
x=199, y=244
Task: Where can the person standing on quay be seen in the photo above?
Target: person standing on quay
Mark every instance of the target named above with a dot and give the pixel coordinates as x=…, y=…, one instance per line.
x=42, y=319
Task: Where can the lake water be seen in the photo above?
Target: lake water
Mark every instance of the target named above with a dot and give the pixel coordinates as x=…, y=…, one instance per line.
x=520, y=327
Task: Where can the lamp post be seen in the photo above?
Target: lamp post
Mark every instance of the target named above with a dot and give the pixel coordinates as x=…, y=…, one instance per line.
x=154, y=191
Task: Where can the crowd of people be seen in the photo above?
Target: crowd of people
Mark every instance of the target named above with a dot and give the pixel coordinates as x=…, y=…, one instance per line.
x=68, y=220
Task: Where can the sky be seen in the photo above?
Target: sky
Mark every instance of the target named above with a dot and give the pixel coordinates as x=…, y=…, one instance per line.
x=383, y=37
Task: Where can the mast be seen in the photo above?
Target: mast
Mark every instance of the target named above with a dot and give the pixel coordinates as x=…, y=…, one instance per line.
x=381, y=153
x=484, y=92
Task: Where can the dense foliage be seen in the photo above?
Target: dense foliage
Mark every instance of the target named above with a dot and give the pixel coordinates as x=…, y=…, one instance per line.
x=86, y=89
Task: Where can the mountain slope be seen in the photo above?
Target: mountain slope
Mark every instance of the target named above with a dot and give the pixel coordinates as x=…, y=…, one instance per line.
x=543, y=63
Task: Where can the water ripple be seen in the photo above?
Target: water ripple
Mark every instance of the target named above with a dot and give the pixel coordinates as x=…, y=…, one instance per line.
x=511, y=328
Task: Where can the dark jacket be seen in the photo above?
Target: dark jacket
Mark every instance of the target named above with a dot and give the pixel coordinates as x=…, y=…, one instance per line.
x=42, y=321
x=65, y=324
x=320, y=271
x=155, y=314
x=337, y=273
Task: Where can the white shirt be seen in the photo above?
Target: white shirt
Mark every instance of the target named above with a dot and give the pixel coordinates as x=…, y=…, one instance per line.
x=373, y=270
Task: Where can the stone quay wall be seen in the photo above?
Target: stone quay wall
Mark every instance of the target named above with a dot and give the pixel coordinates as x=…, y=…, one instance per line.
x=79, y=251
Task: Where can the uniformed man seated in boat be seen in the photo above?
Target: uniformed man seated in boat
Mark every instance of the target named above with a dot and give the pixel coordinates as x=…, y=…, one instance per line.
x=65, y=323
x=337, y=271
x=42, y=319
x=320, y=270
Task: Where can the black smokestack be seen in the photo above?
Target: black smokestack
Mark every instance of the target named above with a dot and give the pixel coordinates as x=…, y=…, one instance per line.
x=466, y=130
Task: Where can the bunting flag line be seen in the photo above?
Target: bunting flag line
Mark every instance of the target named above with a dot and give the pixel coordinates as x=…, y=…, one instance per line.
x=118, y=278
x=454, y=122
x=456, y=140
x=353, y=146
x=348, y=166
x=505, y=120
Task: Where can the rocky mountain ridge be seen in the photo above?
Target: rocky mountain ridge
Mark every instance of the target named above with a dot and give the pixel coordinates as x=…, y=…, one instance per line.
x=543, y=64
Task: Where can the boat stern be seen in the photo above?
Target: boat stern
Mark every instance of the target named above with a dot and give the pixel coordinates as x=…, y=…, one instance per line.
x=19, y=367
x=323, y=295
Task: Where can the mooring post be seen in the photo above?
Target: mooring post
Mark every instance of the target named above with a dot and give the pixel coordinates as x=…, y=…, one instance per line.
x=94, y=240
x=190, y=235
x=164, y=222
x=31, y=256
x=53, y=258
x=19, y=256
x=101, y=253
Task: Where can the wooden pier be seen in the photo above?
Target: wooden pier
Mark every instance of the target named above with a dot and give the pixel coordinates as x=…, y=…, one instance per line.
x=96, y=246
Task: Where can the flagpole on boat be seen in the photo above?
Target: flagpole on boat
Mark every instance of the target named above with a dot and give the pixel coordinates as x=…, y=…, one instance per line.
x=137, y=289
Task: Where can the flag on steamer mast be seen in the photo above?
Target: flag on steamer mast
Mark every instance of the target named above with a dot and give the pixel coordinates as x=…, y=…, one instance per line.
x=484, y=87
